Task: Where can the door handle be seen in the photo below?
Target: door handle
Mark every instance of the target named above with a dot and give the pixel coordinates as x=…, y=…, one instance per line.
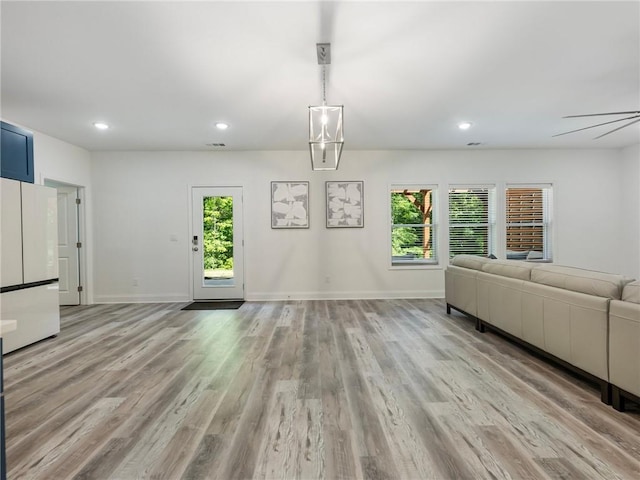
x=195, y=249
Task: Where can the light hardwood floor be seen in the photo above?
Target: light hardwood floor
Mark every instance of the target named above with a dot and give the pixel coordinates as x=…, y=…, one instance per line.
x=381, y=389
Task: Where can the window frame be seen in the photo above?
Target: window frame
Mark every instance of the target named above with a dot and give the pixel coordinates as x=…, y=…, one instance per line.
x=492, y=215
x=546, y=223
x=434, y=261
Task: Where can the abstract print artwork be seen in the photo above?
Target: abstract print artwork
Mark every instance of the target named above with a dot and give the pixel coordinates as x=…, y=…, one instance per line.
x=345, y=204
x=289, y=204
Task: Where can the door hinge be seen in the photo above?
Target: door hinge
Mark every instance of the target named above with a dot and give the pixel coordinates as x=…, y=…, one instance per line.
x=78, y=201
x=79, y=245
x=79, y=288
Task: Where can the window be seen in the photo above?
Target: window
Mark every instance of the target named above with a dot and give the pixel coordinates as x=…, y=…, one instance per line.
x=472, y=220
x=528, y=222
x=413, y=226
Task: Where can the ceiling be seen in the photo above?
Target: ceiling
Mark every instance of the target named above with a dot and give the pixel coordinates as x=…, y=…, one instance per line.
x=161, y=74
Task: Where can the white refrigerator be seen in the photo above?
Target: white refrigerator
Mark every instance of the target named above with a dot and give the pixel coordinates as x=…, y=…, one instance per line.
x=28, y=262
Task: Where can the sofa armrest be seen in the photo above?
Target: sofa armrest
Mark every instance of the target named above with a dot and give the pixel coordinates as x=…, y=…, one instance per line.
x=624, y=345
x=460, y=289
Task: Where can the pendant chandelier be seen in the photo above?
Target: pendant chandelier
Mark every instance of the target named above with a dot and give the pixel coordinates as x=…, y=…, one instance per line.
x=326, y=135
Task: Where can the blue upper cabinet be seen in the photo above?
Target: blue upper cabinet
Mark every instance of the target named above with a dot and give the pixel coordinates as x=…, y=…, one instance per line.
x=16, y=159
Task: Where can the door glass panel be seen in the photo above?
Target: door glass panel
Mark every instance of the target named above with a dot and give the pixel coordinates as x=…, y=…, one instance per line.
x=217, y=243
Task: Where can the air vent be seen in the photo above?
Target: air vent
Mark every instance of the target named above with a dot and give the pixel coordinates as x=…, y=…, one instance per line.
x=216, y=145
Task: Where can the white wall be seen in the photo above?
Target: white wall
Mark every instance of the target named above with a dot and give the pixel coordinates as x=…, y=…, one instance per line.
x=141, y=199
x=630, y=232
x=55, y=160
x=60, y=161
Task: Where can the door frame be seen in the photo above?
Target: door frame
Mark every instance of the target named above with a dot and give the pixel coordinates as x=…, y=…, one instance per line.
x=82, y=234
x=190, y=190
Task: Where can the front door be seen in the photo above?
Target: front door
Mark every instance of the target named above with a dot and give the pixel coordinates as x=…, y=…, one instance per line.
x=217, y=243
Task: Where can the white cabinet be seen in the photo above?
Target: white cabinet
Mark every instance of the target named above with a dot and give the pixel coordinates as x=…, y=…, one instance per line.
x=36, y=310
x=29, y=262
x=39, y=232
x=11, y=233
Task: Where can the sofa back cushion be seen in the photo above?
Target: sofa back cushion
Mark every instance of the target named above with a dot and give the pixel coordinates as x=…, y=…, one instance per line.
x=473, y=262
x=510, y=268
x=631, y=292
x=607, y=285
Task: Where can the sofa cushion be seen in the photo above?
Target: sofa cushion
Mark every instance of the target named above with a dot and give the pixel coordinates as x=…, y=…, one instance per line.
x=510, y=268
x=631, y=292
x=470, y=261
x=600, y=284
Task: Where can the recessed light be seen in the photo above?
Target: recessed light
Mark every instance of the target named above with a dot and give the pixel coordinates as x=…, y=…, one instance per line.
x=222, y=126
x=101, y=125
x=464, y=125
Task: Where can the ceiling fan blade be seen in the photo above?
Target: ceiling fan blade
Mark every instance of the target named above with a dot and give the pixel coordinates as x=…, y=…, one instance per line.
x=637, y=112
x=598, y=125
x=616, y=129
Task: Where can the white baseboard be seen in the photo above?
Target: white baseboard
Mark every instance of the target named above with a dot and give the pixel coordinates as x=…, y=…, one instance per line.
x=146, y=298
x=278, y=296
x=360, y=295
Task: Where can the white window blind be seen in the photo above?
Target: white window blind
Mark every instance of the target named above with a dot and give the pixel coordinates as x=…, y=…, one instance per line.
x=413, y=226
x=528, y=222
x=472, y=220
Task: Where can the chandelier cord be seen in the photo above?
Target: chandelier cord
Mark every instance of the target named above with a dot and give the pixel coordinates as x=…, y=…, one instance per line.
x=324, y=88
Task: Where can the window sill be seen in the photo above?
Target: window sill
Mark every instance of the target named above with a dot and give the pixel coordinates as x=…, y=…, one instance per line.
x=415, y=266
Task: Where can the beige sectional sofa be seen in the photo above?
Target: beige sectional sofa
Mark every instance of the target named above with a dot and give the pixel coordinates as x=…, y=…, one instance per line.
x=563, y=313
x=624, y=346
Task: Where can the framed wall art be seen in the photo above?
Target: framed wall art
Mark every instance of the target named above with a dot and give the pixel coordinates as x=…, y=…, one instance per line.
x=345, y=204
x=289, y=204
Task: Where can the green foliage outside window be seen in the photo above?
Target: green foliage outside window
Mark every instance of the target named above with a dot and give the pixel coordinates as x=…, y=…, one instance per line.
x=218, y=232
x=411, y=207
x=471, y=210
